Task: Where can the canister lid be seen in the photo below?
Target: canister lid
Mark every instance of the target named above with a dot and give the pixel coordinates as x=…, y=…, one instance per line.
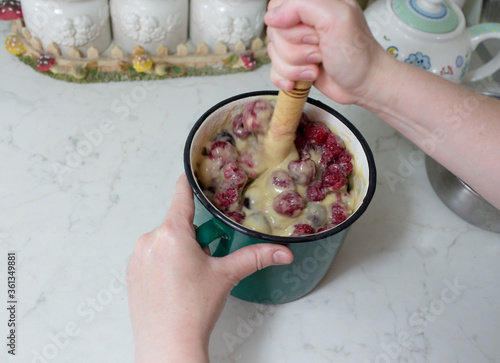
x=430, y=16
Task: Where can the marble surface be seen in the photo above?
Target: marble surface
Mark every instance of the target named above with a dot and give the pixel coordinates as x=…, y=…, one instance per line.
x=86, y=169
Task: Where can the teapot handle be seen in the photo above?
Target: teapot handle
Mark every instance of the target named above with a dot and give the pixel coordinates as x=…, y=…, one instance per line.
x=479, y=33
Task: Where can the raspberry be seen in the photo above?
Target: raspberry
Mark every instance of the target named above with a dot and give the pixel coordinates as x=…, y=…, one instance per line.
x=316, y=133
x=333, y=178
x=331, y=149
x=304, y=120
x=223, y=151
x=302, y=229
x=256, y=115
x=345, y=162
x=302, y=172
x=227, y=198
x=225, y=136
x=325, y=228
x=302, y=146
x=289, y=203
x=247, y=163
x=282, y=180
x=234, y=174
x=239, y=127
x=338, y=213
x=237, y=215
x=315, y=192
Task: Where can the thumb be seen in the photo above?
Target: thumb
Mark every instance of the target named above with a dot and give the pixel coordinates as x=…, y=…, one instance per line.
x=249, y=259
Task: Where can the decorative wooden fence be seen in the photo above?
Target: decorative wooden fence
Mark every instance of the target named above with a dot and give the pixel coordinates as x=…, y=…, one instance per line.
x=118, y=61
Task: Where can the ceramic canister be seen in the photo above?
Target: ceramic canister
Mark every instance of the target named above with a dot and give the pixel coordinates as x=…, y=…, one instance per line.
x=226, y=21
x=149, y=23
x=69, y=23
x=314, y=253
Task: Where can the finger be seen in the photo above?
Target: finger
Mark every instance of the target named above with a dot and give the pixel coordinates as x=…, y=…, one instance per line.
x=282, y=69
x=182, y=205
x=274, y=4
x=245, y=261
x=299, y=34
x=295, y=53
x=291, y=13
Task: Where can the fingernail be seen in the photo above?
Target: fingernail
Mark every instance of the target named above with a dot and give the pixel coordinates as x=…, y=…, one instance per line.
x=285, y=85
x=281, y=258
x=307, y=75
x=271, y=13
x=310, y=39
x=314, y=58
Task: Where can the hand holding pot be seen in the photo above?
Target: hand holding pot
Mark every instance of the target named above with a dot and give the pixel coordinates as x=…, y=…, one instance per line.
x=177, y=291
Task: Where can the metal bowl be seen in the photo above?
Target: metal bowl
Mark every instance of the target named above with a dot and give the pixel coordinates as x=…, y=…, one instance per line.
x=461, y=198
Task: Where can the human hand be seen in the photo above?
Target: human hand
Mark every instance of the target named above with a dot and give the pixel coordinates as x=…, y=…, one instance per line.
x=177, y=291
x=328, y=42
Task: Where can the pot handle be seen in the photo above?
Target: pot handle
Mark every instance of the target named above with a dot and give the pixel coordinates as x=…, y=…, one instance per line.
x=211, y=231
x=479, y=33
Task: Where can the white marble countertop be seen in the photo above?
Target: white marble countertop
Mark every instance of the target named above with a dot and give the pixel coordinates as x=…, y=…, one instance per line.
x=86, y=169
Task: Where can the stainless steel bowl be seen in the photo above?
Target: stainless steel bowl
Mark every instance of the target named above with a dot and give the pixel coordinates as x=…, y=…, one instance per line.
x=461, y=198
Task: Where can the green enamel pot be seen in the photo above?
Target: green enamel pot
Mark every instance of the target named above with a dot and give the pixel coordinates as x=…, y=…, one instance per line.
x=313, y=254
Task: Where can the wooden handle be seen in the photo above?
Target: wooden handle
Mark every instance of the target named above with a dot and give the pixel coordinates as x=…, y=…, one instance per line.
x=289, y=107
x=285, y=120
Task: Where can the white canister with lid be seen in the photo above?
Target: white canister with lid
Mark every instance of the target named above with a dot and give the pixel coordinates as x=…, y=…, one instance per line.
x=69, y=23
x=226, y=21
x=149, y=23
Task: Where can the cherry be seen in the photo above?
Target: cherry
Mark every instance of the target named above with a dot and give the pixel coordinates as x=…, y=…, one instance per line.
x=247, y=164
x=258, y=222
x=239, y=127
x=302, y=146
x=302, y=229
x=282, y=180
x=234, y=174
x=256, y=115
x=223, y=151
x=289, y=203
x=333, y=178
x=316, y=133
x=224, y=135
x=315, y=192
x=316, y=214
x=302, y=172
x=338, y=213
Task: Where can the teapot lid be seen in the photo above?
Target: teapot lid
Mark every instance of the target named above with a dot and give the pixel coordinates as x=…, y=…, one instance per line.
x=430, y=16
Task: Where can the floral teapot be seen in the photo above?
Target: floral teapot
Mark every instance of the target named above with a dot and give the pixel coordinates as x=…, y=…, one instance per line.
x=431, y=34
